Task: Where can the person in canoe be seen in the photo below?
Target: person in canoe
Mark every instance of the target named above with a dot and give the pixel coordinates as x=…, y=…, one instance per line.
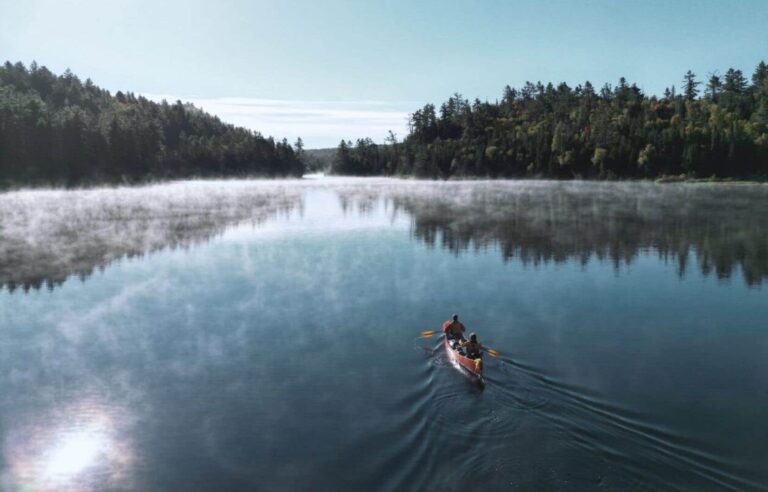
x=453, y=328
x=473, y=347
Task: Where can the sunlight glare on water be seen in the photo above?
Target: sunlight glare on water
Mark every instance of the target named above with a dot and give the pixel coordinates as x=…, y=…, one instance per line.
x=75, y=452
x=265, y=336
x=78, y=450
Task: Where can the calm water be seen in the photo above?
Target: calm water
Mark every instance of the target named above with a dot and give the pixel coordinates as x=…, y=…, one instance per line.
x=264, y=336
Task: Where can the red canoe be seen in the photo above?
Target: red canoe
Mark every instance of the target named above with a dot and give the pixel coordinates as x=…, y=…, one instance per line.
x=472, y=366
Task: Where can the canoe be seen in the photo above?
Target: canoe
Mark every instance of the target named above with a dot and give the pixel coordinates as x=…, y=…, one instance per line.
x=472, y=366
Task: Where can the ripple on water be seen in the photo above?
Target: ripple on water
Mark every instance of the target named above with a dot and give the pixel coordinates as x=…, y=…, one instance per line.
x=533, y=430
x=619, y=438
x=454, y=404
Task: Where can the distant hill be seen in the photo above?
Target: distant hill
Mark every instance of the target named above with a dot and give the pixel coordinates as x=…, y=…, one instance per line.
x=319, y=159
x=60, y=130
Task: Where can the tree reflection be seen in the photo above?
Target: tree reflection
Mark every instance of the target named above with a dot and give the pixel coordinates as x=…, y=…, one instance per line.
x=724, y=227
x=48, y=236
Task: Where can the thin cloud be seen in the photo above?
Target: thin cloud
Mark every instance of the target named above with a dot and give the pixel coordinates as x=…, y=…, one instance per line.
x=319, y=123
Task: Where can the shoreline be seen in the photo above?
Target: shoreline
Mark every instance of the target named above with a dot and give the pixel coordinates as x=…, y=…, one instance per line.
x=661, y=180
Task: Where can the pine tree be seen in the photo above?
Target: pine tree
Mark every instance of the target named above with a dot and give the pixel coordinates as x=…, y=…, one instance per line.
x=690, y=85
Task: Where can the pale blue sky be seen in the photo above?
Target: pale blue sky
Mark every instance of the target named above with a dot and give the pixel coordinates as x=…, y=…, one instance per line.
x=379, y=59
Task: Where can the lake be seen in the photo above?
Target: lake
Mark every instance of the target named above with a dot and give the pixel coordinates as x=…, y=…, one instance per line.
x=264, y=335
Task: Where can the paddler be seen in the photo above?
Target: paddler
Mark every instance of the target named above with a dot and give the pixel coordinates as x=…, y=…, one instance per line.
x=453, y=328
x=473, y=347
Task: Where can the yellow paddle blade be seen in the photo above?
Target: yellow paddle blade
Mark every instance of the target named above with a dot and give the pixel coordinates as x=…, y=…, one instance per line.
x=492, y=352
x=427, y=333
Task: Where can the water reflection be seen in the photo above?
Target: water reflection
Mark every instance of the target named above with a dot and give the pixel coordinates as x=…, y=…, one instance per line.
x=46, y=236
x=74, y=452
x=79, y=447
x=722, y=228
x=259, y=358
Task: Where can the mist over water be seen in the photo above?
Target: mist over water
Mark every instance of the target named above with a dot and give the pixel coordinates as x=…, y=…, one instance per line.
x=264, y=335
x=49, y=235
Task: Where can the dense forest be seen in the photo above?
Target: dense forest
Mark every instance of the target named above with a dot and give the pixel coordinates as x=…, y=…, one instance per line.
x=712, y=128
x=60, y=130
x=319, y=160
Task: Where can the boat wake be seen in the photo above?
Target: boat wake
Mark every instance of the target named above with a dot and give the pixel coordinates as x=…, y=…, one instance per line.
x=579, y=439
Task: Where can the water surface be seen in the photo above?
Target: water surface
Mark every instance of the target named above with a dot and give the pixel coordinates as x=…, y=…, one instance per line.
x=263, y=335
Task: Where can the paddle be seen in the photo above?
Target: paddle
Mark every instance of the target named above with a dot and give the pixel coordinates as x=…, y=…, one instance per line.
x=430, y=333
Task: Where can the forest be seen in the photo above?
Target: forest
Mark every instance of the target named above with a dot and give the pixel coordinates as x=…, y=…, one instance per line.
x=712, y=128
x=60, y=130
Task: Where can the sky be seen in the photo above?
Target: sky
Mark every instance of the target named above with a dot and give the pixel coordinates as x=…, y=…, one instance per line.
x=333, y=69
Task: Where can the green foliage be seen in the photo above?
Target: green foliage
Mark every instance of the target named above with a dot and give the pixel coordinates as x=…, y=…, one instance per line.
x=59, y=130
x=563, y=132
x=647, y=156
x=690, y=86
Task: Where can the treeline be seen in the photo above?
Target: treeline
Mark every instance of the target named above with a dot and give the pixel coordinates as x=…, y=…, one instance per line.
x=715, y=128
x=60, y=130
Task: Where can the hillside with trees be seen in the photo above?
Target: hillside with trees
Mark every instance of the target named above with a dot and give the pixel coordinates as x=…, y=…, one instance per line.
x=319, y=160
x=61, y=130
x=712, y=128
